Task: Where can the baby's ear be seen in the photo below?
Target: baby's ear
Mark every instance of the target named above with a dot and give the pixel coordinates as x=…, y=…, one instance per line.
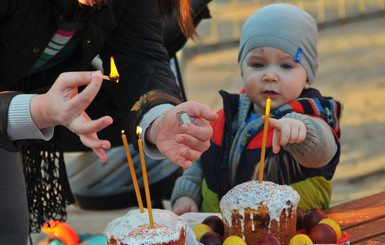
x=307, y=85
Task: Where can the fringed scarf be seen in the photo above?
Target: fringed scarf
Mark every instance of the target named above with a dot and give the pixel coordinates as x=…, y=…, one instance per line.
x=48, y=189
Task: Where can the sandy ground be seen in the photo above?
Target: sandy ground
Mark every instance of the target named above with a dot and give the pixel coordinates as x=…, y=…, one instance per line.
x=352, y=60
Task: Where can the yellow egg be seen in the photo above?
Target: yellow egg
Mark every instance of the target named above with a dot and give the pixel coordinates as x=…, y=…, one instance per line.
x=336, y=227
x=234, y=240
x=300, y=239
x=201, y=229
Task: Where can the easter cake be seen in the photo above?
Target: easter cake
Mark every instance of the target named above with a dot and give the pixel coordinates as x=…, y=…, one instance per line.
x=251, y=210
x=134, y=228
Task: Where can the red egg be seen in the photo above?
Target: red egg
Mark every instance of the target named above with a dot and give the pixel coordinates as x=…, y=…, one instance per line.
x=211, y=238
x=269, y=239
x=300, y=219
x=323, y=234
x=215, y=223
x=312, y=217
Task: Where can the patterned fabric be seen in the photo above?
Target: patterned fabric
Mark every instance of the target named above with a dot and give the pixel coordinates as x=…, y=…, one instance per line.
x=48, y=189
x=62, y=44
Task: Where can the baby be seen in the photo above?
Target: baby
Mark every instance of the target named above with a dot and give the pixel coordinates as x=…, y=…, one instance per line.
x=278, y=60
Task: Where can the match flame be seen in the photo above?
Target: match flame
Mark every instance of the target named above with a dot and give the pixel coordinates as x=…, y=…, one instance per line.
x=138, y=130
x=113, y=71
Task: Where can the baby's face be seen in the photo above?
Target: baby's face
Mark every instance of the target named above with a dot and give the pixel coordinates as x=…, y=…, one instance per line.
x=271, y=72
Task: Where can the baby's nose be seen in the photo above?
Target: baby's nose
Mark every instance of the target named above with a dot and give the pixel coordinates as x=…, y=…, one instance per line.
x=270, y=75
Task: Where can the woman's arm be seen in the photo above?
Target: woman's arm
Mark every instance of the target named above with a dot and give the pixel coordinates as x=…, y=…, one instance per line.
x=147, y=81
x=64, y=105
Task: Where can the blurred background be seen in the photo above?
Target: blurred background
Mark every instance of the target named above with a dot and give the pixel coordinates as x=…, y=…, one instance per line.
x=351, y=50
x=228, y=16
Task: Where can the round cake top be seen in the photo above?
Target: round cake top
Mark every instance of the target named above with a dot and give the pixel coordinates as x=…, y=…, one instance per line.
x=134, y=227
x=252, y=194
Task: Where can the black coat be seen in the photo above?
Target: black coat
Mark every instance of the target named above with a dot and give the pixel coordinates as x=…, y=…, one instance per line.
x=130, y=31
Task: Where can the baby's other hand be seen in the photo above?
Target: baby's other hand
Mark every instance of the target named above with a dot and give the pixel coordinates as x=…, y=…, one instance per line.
x=183, y=205
x=286, y=131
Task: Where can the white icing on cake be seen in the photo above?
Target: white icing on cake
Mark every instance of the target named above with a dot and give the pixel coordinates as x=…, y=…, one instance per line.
x=252, y=194
x=134, y=227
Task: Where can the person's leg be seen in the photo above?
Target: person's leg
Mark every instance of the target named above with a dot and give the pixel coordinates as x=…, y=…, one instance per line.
x=14, y=224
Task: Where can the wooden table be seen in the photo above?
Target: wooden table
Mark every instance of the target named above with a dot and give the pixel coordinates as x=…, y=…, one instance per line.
x=362, y=219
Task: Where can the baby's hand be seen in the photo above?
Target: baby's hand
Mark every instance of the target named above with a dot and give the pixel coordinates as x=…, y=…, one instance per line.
x=286, y=131
x=183, y=205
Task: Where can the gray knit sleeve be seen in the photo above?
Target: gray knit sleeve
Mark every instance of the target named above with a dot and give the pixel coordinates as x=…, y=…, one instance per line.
x=319, y=146
x=20, y=123
x=148, y=148
x=189, y=184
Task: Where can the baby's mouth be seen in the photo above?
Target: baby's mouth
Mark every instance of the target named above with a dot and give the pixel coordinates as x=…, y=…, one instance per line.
x=270, y=92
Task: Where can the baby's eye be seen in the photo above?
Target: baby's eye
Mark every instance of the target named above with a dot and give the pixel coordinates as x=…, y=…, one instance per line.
x=258, y=65
x=286, y=66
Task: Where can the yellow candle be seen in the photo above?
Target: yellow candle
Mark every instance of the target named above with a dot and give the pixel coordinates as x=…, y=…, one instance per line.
x=145, y=179
x=132, y=170
x=262, y=162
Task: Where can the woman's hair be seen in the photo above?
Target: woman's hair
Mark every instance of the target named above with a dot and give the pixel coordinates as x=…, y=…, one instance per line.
x=183, y=8
x=98, y=3
x=167, y=8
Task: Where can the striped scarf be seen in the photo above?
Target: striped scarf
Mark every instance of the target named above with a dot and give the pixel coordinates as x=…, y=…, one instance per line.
x=59, y=47
x=243, y=129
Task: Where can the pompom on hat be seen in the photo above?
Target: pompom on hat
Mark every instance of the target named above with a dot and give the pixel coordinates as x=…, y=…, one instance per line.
x=286, y=27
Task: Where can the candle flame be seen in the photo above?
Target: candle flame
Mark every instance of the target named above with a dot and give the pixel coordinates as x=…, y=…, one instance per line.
x=122, y=131
x=113, y=71
x=138, y=130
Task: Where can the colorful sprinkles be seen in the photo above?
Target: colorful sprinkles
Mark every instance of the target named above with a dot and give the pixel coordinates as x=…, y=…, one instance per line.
x=134, y=228
x=144, y=232
x=251, y=194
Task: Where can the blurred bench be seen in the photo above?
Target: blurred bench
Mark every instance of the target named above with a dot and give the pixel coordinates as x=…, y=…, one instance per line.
x=106, y=186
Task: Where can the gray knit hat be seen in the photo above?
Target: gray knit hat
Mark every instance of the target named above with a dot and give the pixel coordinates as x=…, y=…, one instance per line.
x=286, y=27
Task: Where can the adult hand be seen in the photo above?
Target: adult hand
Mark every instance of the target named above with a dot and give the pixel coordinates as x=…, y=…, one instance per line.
x=286, y=131
x=64, y=105
x=183, y=205
x=185, y=144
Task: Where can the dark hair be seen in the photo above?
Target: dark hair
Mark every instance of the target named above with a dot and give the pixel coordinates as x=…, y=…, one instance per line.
x=100, y=3
x=166, y=8
x=183, y=8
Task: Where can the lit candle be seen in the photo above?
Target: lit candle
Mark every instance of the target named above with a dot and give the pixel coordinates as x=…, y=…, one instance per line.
x=145, y=179
x=132, y=170
x=262, y=162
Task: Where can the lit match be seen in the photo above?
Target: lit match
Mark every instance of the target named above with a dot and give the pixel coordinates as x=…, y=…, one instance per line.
x=113, y=79
x=114, y=75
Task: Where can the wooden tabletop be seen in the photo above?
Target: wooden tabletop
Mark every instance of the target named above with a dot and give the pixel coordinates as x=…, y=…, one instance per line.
x=362, y=219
